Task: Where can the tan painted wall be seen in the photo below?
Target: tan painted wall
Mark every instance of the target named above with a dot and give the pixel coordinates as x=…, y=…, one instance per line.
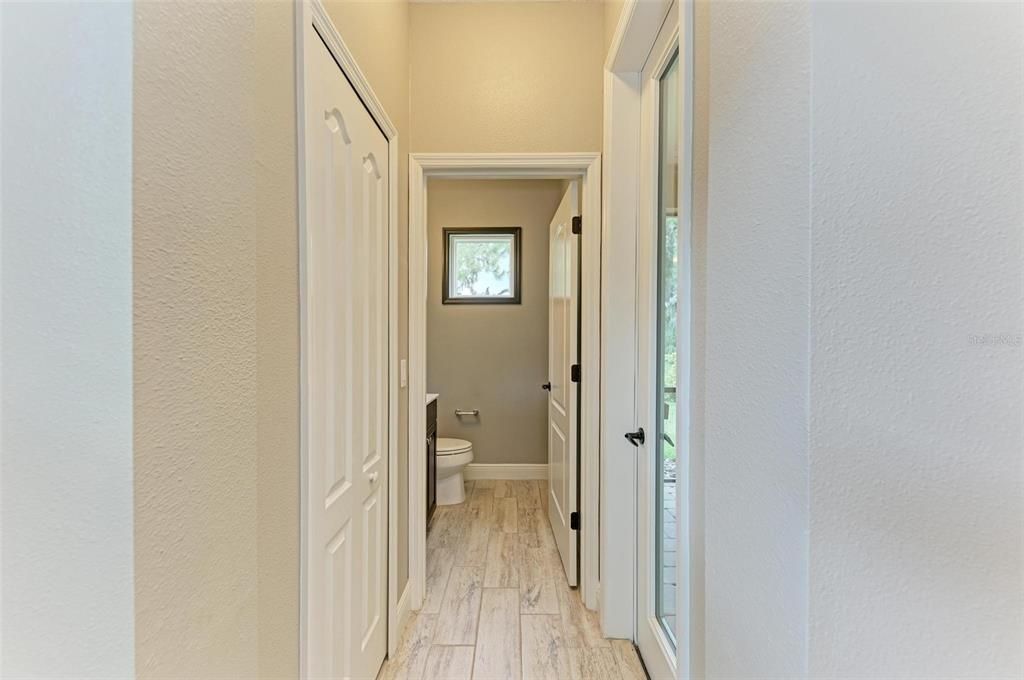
x=216, y=279
x=492, y=357
x=196, y=228
x=503, y=77
x=612, y=11
x=216, y=365
x=277, y=344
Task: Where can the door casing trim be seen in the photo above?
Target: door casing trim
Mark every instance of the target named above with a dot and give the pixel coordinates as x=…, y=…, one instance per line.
x=585, y=167
x=313, y=12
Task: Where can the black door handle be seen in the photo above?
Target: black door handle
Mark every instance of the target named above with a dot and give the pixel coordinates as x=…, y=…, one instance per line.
x=636, y=438
x=546, y=386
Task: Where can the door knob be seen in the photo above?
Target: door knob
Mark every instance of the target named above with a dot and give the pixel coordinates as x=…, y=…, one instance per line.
x=372, y=477
x=636, y=438
x=546, y=386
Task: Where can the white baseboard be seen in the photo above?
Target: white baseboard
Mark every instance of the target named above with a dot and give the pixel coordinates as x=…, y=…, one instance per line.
x=402, y=615
x=506, y=471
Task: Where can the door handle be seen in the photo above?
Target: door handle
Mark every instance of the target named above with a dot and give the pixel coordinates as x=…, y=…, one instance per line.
x=636, y=438
x=546, y=386
x=372, y=477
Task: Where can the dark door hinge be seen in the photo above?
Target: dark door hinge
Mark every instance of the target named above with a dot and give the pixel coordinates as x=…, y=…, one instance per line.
x=574, y=373
x=577, y=224
x=574, y=521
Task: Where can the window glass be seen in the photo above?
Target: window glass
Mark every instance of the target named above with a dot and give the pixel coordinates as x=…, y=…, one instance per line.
x=665, y=398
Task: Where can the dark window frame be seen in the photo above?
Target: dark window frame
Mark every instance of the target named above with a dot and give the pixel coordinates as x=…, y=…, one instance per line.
x=517, y=266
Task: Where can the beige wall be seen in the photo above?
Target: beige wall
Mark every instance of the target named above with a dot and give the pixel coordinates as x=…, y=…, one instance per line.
x=277, y=344
x=504, y=77
x=612, y=11
x=196, y=229
x=216, y=365
x=492, y=357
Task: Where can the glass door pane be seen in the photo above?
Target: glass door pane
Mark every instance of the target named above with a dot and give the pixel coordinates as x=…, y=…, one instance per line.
x=665, y=396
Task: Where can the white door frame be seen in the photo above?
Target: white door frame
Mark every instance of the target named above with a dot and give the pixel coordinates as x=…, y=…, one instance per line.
x=587, y=168
x=635, y=36
x=313, y=12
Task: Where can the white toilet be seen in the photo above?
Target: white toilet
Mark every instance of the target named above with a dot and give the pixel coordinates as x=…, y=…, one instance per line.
x=453, y=455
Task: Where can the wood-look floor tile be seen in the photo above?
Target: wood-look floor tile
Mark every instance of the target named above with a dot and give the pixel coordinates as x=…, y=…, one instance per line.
x=497, y=645
x=503, y=560
x=471, y=549
x=594, y=663
x=629, y=663
x=449, y=663
x=529, y=518
x=507, y=509
x=529, y=539
x=553, y=563
x=411, y=657
x=446, y=528
x=545, y=656
x=460, y=608
x=534, y=527
x=538, y=583
x=481, y=500
x=582, y=628
x=439, y=566
x=527, y=493
x=527, y=622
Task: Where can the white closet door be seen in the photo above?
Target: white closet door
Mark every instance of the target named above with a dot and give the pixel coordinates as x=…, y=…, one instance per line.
x=346, y=350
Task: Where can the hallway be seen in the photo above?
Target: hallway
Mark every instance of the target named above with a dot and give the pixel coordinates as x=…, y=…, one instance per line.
x=497, y=605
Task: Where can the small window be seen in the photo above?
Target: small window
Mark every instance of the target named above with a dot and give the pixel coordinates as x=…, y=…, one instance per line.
x=482, y=266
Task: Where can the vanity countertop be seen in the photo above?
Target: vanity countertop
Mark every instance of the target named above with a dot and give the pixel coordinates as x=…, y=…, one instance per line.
x=432, y=397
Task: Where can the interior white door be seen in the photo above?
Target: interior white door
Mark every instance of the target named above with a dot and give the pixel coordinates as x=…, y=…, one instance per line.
x=563, y=393
x=346, y=342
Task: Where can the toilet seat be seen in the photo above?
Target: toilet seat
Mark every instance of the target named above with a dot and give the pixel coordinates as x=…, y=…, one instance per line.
x=448, y=446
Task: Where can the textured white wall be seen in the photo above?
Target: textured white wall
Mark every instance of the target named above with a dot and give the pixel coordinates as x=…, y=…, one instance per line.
x=66, y=461
x=755, y=412
x=916, y=495
x=863, y=340
x=196, y=223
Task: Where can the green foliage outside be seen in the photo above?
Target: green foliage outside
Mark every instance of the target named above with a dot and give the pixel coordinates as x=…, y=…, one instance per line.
x=476, y=258
x=669, y=299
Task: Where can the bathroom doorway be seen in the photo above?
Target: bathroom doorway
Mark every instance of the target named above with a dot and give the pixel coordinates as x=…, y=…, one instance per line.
x=487, y=369
x=504, y=326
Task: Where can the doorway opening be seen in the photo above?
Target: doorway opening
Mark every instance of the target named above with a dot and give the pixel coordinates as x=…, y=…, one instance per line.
x=444, y=176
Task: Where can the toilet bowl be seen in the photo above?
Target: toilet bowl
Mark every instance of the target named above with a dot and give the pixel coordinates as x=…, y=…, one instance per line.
x=453, y=455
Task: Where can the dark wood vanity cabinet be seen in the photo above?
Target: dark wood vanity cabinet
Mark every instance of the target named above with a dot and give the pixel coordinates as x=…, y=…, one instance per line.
x=431, y=458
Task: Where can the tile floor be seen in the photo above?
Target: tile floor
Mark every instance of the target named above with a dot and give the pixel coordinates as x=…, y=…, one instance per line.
x=497, y=606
